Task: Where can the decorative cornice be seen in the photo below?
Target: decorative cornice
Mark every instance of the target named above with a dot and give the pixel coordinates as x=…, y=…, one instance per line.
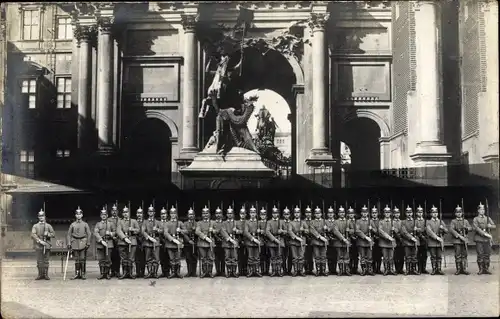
x=105, y=24
x=318, y=21
x=85, y=33
x=189, y=22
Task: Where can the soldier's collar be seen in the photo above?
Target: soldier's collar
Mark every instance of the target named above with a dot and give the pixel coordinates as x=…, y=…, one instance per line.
x=126, y=219
x=434, y=218
x=253, y=220
x=173, y=219
x=460, y=218
x=151, y=218
x=341, y=218
x=364, y=218
x=206, y=220
x=275, y=219
x=319, y=218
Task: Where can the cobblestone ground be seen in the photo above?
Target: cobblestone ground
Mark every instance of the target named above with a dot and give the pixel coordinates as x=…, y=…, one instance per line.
x=356, y=296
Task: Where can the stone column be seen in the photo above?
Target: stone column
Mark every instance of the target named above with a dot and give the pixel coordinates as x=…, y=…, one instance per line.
x=430, y=150
x=105, y=87
x=190, y=89
x=84, y=36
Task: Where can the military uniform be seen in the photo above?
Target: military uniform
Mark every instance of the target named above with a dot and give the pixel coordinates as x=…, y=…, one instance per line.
x=399, y=250
x=104, y=232
x=319, y=242
x=140, y=254
x=275, y=243
x=435, y=230
x=308, y=249
x=115, y=255
x=41, y=233
x=353, y=250
x=174, y=234
x=228, y=231
x=164, y=259
x=460, y=229
x=253, y=244
x=285, y=250
x=482, y=225
x=410, y=241
x=377, y=251
x=127, y=230
x=261, y=235
x=204, y=231
x=421, y=224
x=364, y=227
x=242, y=250
x=297, y=230
x=189, y=244
x=331, y=252
x=342, y=232
x=218, y=249
x=386, y=243
x=151, y=232
x=78, y=240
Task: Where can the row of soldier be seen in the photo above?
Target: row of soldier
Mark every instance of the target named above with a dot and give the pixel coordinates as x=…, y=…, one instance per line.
x=260, y=246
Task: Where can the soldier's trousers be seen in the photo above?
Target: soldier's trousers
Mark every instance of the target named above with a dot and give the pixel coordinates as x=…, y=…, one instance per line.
x=399, y=258
x=388, y=254
x=140, y=259
x=460, y=253
x=365, y=255
x=174, y=254
x=436, y=254
x=127, y=256
x=206, y=256
x=422, y=256
x=411, y=254
x=164, y=260
x=219, y=259
x=231, y=256
x=264, y=259
x=353, y=256
x=298, y=256
x=104, y=260
x=80, y=256
x=308, y=258
x=286, y=259
x=152, y=255
x=115, y=258
x=42, y=259
x=242, y=259
x=483, y=249
x=331, y=255
x=275, y=256
x=377, y=256
x=319, y=255
x=342, y=255
x=191, y=258
x=253, y=256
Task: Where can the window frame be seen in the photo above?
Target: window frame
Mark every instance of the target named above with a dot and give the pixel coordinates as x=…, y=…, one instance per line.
x=65, y=94
x=21, y=93
x=68, y=32
x=37, y=36
x=27, y=166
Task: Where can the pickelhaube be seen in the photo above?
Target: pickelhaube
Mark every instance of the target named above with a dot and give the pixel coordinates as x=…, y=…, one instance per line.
x=350, y=210
x=330, y=209
x=253, y=209
x=163, y=210
x=125, y=209
x=396, y=210
x=480, y=206
x=104, y=211
x=387, y=209
x=420, y=209
x=317, y=210
x=286, y=210
x=173, y=209
x=41, y=213
x=308, y=209
x=263, y=211
x=364, y=208
x=205, y=209
x=139, y=210
x=408, y=208
x=275, y=209
x=374, y=210
x=341, y=209
x=151, y=208
x=229, y=210
x=78, y=210
x=190, y=210
x=218, y=210
x=458, y=209
x=296, y=209
x=242, y=209
x=434, y=209
x=114, y=207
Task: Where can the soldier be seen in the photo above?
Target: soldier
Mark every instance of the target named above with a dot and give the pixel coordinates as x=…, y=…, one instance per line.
x=140, y=258
x=104, y=232
x=377, y=251
x=127, y=231
x=482, y=226
x=342, y=231
x=410, y=241
x=421, y=224
x=115, y=255
x=435, y=230
x=275, y=243
x=218, y=249
x=189, y=244
x=174, y=234
x=151, y=232
x=78, y=239
x=41, y=233
x=253, y=244
x=364, y=229
x=285, y=251
x=308, y=255
x=242, y=251
x=297, y=234
x=353, y=250
x=460, y=229
x=331, y=252
x=230, y=243
x=164, y=259
x=319, y=242
x=399, y=252
x=204, y=231
x=261, y=233
x=387, y=242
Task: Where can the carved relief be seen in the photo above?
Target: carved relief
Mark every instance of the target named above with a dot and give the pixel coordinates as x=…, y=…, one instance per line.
x=85, y=33
x=318, y=21
x=189, y=22
x=105, y=24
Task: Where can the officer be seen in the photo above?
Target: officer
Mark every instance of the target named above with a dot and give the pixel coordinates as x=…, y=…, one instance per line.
x=435, y=230
x=228, y=232
x=104, y=232
x=189, y=244
x=204, y=231
x=285, y=251
x=218, y=249
x=41, y=233
x=115, y=255
x=353, y=250
x=364, y=228
x=387, y=242
x=410, y=241
x=308, y=255
x=342, y=231
x=275, y=242
x=331, y=252
x=164, y=260
x=253, y=244
x=127, y=232
x=151, y=232
x=242, y=251
x=174, y=234
x=460, y=229
x=78, y=239
x=377, y=251
x=297, y=232
x=399, y=252
x=261, y=231
x=319, y=242
x=482, y=226
x=140, y=257
x=421, y=224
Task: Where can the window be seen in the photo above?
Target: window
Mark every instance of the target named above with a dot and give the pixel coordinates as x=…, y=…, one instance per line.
x=27, y=160
x=64, y=28
x=63, y=93
x=31, y=25
x=63, y=153
x=28, y=90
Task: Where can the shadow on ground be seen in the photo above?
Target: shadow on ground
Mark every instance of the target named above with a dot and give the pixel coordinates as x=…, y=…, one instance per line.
x=14, y=310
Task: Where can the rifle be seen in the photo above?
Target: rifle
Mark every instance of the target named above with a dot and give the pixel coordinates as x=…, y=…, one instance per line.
x=324, y=224
x=129, y=224
x=488, y=221
x=370, y=225
x=44, y=229
x=440, y=221
x=279, y=228
x=303, y=242
x=392, y=230
x=464, y=234
x=106, y=229
x=210, y=231
x=414, y=223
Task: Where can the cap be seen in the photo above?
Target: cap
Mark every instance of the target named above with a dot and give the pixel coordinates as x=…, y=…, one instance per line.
x=151, y=208
x=330, y=209
x=286, y=210
x=308, y=209
x=341, y=209
x=364, y=208
x=396, y=209
x=458, y=209
x=296, y=209
x=163, y=210
x=242, y=209
x=387, y=209
x=190, y=210
x=253, y=209
x=434, y=209
x=480, y=206
x=408, y=209
x=125, y=209
x=317, y=210
x=139, y=210
x=350, y=210
x=229, y=210
x=420, y=209
x=78, y=210
x=41, y=213
x=275, y=209
x=173, y=209
x=205, y=209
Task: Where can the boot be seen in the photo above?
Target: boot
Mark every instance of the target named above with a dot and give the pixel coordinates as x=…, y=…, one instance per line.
x=131, y=274
x=392, y=268
x=332, y=268
x=293, y=273
x=316, y=274
x=172, y=273
x=438, y=270
x=77, y=272
x=323, y=270
x=178, y=271
x=434, y=268
x=423, y=266
x=258, y=269
x=40, y=273
x=341, y=269
x=263, y=269
x=386, y=268
x=480, y=266
x=347, y=269
x=302, y=270
x=464, y=267
x=363, y=270
x=280, y=270
x=486, y=266
x=378, y=267
x=155, y=271
x=150, y=272
x=125, y=272
x=414, y=269
x=273, y=270
x=249, y=271
x=407, y=269
x=83, y=270
x=102, y=276
x=210, y=267
x=370, y=269
x=46, y=273
x=458, y=265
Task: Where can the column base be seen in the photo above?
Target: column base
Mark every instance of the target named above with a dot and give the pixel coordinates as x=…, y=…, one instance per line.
x=106, y=150
x=492, y=154
x=319, y=154
x=431, y=154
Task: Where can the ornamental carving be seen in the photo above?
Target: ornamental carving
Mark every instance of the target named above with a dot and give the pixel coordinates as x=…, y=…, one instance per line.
x=105, y=23
x=85, y=33
x=189, y=22
x=318, y=21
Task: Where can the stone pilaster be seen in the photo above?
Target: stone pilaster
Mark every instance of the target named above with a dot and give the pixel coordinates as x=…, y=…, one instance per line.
x=430, y=150
x=105, y=86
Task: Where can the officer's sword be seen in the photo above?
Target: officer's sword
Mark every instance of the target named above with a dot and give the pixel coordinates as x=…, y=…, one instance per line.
x=66, y=266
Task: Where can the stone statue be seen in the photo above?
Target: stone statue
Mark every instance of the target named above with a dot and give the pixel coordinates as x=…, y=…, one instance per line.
x=266, y=126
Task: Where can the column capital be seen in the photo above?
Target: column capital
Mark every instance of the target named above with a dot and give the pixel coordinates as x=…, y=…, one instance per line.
x=487, y=5
x=317, y=21
x=419, y=3
x=85, y=32
x=189, y=22
x=105, y=24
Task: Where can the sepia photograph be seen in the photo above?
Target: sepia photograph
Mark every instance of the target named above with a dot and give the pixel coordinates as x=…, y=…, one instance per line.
x=249, y=159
